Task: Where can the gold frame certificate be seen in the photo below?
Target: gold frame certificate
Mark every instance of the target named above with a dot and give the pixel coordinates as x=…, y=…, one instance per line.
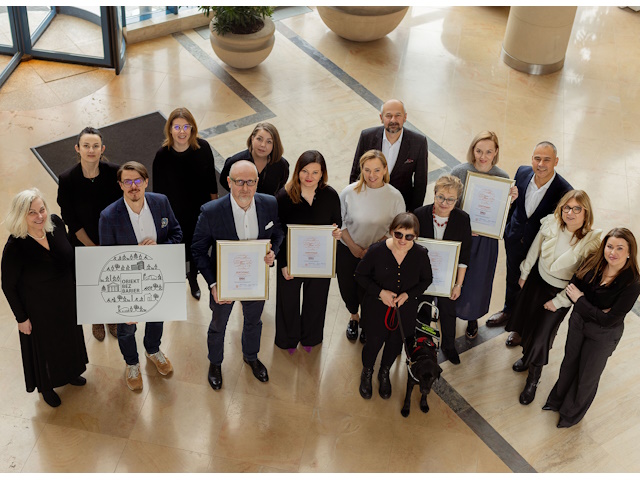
x=487, y=201
x=311, y=251
x=443, y=255
x=241, y=271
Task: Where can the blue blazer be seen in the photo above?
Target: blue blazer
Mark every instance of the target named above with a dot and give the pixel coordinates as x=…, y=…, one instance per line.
x=115, y=225
x=521, y=229
x=216, y=223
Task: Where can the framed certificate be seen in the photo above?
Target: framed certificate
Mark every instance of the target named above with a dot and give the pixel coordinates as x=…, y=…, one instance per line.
x=443, y=255
x=311, y=251
x=242, y=273
x=486, y=199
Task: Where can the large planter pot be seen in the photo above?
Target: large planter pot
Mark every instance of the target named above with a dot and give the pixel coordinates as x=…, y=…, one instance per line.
x=362, y=24
x=244, y=51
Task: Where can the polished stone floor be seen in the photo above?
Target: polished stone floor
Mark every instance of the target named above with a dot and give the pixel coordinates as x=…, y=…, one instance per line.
x=321, y=91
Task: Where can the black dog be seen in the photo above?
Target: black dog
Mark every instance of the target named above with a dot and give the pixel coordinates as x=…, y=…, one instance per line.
x=422, y=369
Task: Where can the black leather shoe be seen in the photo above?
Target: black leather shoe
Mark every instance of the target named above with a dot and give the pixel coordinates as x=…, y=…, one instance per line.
x=215, y=376
x=363, y=337
x=52, y=398
x=529, y=393
x=513, y=340
x=497, y=319
x=78, y=381
x=519, y=366
x=352, y=330
x=366, y=390
x=193, y=285
x=548, y=407
x=452, y=355
x=472, y=329
x=259, y=370
x=385, y=382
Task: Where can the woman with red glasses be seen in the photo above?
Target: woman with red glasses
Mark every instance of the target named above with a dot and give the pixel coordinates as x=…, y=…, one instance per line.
x=442, y=220
x=393, y=273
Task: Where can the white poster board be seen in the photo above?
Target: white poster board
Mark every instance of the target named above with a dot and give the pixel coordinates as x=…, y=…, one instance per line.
x=130, y=283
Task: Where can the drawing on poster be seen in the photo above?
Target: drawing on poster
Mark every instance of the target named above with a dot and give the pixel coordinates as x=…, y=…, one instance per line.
x=131, y=281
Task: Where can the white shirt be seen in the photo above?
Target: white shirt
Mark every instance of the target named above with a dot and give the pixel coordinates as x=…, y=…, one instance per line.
x=142, y=223
x=391, y=151
x=534, y=195
x=246, y=221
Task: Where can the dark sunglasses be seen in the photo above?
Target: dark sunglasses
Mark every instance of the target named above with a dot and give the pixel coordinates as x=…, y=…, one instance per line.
x=408, y=236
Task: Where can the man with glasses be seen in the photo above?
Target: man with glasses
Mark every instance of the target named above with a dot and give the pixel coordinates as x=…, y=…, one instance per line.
x=540, y=188
x=406, y=153
x=139, y=218
x=242, y=215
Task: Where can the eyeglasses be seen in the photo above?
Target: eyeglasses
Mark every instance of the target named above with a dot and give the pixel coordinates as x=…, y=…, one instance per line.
x=407, y=236
x=184, y=128
x=448, y=201
x=242, y=183
x=577, y=209
x=129, y=183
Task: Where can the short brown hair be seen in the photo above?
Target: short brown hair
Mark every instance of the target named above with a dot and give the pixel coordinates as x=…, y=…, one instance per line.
x=406, y=221
x=278, y=149
x=446, y=182
x=138, y=167
x=484, y=135
x=186, y=115
x=370, y=155
x=583, y=199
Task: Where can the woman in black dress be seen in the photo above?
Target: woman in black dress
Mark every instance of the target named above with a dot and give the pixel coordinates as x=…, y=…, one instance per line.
x=603, y=291
x=38, y=281
x=265, y=150
x=305, y=200
x=393, y=273
x=83, y=192
x=442, y=220
x=184, y=171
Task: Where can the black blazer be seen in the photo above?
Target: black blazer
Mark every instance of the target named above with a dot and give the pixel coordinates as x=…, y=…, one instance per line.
x=521, y=229
x=272, y=178
x=458, y=229
x=409, y=175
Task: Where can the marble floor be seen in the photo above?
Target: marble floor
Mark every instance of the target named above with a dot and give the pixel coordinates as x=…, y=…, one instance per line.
x=321, y=91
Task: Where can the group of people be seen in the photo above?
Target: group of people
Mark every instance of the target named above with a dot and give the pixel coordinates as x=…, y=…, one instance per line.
x=555, y=259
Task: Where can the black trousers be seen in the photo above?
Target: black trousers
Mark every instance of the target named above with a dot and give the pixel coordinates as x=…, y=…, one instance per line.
x=588, y=348
x=350, y=290
x=516, y=253
x=392, y=341
x=292, y=325
x=447, y=308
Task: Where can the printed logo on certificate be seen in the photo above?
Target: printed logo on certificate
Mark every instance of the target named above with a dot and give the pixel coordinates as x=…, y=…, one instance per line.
x=487, y=201
x=130, y=283
x=311, y=251
x=241, y=271
x=443, y=255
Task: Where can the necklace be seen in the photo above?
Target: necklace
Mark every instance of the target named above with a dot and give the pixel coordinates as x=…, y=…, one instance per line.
x=36, y=238
x=437, y=223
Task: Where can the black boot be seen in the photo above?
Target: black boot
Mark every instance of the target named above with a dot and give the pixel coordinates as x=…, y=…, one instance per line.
x=193, y=282
x=366, y=389
x=385, y=382
x=529, y=392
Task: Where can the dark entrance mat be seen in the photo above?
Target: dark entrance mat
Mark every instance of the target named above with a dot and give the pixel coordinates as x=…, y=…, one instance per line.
x=136, y=139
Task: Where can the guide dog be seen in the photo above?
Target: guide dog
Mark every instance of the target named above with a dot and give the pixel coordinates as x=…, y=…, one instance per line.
x=422, y=363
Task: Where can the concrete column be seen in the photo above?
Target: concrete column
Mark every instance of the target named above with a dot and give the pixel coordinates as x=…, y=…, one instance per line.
x=536, y=38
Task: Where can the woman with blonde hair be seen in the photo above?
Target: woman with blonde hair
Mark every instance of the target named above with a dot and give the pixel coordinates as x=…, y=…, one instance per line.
x=264, y=150
x=368, y=206
x=482, y=157
x=184, y=170
x=38, y=281
x=565, y=239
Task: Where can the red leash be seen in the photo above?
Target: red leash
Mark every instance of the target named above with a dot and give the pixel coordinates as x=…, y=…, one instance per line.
x=391, y=323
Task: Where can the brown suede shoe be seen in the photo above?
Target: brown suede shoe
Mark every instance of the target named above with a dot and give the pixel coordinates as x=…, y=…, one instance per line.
x=98, y=332
x=113, y=329
x=513, y=340
x=497, y=319
x=161, y=362
x=133, y=377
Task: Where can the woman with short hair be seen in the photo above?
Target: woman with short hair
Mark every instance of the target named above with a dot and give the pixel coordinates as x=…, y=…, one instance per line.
x=38, y=281
x=184, y=170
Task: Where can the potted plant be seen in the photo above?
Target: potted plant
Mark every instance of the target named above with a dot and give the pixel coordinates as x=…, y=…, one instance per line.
x=362, y=24
x=242, y=37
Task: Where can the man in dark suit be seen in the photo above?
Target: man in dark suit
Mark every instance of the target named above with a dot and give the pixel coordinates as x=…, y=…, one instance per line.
x=406, y=153
x=242, y=215
x=540, y=188
x=139, y=218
